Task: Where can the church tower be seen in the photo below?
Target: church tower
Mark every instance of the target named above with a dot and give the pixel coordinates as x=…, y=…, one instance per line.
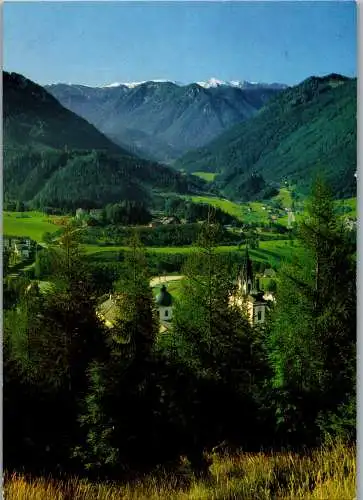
x=245, y=281
x=251, y=296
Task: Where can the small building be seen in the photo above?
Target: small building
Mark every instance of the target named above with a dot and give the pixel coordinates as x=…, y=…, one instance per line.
x=155, y=223
x=350, y=223
x=80, y=212
x=22, y=248
x=164, y=301
x=170, y=220
x=96, y=213
x=108, y=312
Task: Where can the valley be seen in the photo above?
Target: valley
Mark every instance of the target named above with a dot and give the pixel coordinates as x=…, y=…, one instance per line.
x=179, y=266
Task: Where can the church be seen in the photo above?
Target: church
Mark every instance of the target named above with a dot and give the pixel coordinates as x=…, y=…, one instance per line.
x=164, y=302
x=249, y=294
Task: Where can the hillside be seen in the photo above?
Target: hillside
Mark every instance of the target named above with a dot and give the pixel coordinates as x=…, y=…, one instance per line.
x=305, y=129
x=162, y=120
x=52, y=157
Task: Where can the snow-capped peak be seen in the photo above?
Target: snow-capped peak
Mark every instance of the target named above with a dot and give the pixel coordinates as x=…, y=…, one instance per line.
x=241, y=84
x=132, y=85
x=211, y=83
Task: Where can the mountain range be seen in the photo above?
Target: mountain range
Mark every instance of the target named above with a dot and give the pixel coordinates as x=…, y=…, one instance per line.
x=303, y=130
x=162, y=120
x=52, y=157
x=212, y=82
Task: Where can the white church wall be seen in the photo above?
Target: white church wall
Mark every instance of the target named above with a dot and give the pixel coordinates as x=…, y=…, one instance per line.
x=165, y=313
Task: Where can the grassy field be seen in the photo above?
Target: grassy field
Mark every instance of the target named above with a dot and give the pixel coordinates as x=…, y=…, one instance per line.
x=325, y=474
x=30, y=224
x=207, y=176
x=173, y=288
x=245, y=212
x=273, y=252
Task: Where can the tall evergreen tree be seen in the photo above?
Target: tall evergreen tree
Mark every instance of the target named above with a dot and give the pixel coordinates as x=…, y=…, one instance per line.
x=216, y=341
x=117, y=413
x=312, y=343
x=53, y=337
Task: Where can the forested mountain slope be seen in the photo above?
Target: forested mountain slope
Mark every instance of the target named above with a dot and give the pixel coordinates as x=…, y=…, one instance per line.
x=304, y=130
x=52, y=157
x=162, y=120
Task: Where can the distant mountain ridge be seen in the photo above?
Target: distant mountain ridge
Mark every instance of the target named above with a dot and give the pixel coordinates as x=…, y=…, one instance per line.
x=305, y=129
x=52, y=157
x=162, y=120
x=212, y=82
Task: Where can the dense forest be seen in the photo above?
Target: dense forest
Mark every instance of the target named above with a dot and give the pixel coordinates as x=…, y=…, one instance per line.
x=88, y=400
x=304, y=130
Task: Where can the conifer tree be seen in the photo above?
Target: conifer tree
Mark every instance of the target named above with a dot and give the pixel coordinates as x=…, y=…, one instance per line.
x=312, y=343
x=53, y=337
x=215, y=340
x=117, y=413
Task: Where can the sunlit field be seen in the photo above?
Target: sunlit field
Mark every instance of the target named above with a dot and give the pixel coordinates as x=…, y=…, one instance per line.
x=207, y=176
x=30, y=224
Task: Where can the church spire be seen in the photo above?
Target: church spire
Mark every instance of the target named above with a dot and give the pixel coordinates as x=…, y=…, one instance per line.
x=246, y=274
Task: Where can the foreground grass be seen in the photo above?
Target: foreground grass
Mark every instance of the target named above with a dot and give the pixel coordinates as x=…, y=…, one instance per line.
x=323, y=474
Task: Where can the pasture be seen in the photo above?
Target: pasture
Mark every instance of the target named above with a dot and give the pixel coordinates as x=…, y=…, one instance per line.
x=173, y=287
x=207, y=176
x=30, y=224
x=273, y=252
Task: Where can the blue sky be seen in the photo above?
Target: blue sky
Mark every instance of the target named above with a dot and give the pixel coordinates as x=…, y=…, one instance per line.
x=96, y=43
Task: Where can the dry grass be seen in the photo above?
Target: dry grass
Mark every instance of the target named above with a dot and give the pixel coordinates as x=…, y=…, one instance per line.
x=326, y=474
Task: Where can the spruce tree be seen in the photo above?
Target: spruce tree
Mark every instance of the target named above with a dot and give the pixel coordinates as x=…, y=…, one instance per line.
x=53, y=338
x=216, y=342
x=117, y=413
x=312, y=342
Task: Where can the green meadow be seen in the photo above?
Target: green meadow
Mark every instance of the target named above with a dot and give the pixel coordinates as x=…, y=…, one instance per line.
x=207, y=176
x=245, y=212
x=30, y=224
x=173, y=288
x=273, y=252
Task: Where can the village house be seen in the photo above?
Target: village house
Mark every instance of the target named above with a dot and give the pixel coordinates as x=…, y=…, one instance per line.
x=80, y=212
x=170, y=220
x=21, y=246
x=155, y=223
x=96, y=213
x=350, y=223
x=110, y=310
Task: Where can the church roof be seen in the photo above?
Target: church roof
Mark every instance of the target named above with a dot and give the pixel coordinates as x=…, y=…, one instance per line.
x=164, y=298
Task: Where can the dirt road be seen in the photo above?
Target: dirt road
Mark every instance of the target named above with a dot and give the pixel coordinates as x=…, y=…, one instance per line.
x=158, y=280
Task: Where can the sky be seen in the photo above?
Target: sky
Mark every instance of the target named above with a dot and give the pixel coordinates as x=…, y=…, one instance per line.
x=97, y=43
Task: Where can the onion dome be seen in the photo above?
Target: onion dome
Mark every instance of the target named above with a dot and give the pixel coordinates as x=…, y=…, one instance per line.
x=164, y=298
